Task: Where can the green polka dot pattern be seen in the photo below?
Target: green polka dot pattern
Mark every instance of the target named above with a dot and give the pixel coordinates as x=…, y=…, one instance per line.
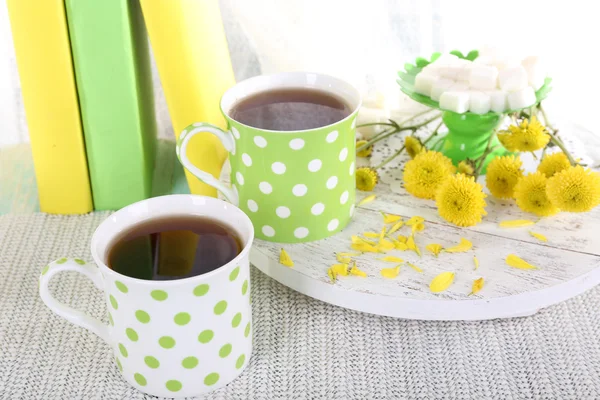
x=182, y=318
x=189, y=362
x=122, y=350
x=166, y=342
x=245, y=287
x=225, y=350
x=201, y=290
x=131, y=334
x=139, y=378
x=211, y=379
x=235, y=322
x=234, y=274
x=206, y=336
x=220, y=307
x=151, y=362
x=79, y=261
x=159, y=295
x=121, y=286
x=113, y=302
x=174, y=386
x=240, y=361
x=142, y=316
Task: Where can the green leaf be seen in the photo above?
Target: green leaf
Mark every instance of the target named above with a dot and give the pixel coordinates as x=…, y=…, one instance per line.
x=473, y=54
x=435, y=56
x=457, y=53
x=421, y=62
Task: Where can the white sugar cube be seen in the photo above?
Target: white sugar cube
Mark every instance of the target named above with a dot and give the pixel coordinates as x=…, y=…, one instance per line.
x=505, y=62
x=440, y=86
x=522, y=98
x=459, y=86
x=368, y=115
x=536, y=71
x=424, y=83
x=450, y=71
x=465, y=72
x=455, y=101
x=497, y=100
x=479, y=102
x=512, y=79
x=483, y=60
x=446, y=59
x=483, y=77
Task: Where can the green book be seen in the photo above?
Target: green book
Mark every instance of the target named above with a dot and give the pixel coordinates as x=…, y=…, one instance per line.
x=114, y=84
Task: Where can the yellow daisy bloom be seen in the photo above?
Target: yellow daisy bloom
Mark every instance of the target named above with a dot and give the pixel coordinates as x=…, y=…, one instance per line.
x=553, y=163
x=424, y=174
x=574, y=189
x=366, y=152
x=529, y=136
x=366, y=179
x=413, y=146
x=466, y=167
x=502, y=176
x=530, y=194
x=460, y=200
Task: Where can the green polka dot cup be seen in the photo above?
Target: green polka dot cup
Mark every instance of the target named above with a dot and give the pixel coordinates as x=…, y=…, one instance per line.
x=173, y=338
x=296, y=186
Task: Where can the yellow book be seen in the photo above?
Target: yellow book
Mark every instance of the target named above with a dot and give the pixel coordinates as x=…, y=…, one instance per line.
x=45, y=66
x=192, y=56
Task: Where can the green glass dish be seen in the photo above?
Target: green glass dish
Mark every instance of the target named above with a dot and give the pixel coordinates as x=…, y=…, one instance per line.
x=468, y=133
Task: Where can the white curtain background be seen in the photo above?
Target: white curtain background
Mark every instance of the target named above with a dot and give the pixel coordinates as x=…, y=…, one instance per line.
x=366, y=42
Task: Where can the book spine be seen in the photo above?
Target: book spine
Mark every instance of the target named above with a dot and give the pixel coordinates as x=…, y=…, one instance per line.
x=114, y=83
x=45, y=65
x=190, y=48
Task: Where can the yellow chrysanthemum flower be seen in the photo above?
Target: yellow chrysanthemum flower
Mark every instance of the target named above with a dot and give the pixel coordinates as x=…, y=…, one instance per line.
x=574, y=189
x=413, y=146
x=502, y=176
x=426, y=172
x=530, y=194
x=553, y=163
x=366, y=179
x=363, y=153
x=466, y=167
x=460, y=200
x=529, y=136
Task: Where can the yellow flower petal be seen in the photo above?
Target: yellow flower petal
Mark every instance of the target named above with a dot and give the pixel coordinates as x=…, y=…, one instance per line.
x=434, y=248
x=476, y=262
x=386, y=245
x=418, y=227
x=413, y=266
x=477, y=285
x=372, y=235
x=390, y=218
x=463, y=246
x=411, y=245
x=285, y=259
x=382, y=233
x=390, y=273
x=364, y=247
x=396, y=226
x=357, y=240
x=331, y=274
x=349, y=254
x=517, y=262
x=441, y=282
x=415, y=220
x=516, y=223
x=343, y=259
x=357, y=272
x=340, y=269
x=392, y=259
x=402, y=238
x=538, y=236
x=367, y=200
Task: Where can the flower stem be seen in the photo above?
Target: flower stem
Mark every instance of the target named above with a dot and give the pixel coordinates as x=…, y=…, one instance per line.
x=555, y=139
x=488, y=149
x=388, y=133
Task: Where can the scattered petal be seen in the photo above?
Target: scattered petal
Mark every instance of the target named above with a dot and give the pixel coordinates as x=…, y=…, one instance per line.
x=386, y=245
x=382, y=233
x=415, y=220
x=396, y=226
x=358, y=240
x=434, y=248
x=372, y=235
x=331, y=274
x=390, y=273
x=357, y=272
x=413, y=266
x=463, y=246
x=418, y=227
x=343, y=259
x=411, y=245
x=364, y=247
x=349, y=254
x=477, y=285
x=390, y=218
x=538, y=236
x=366, y=200
x=340, y=269
x=285, y=259
x=517, y=262
x=441, y=282
x=392, y=259
x=476, y=262
x=516, y=223
x=398, y=245
x=402, y=238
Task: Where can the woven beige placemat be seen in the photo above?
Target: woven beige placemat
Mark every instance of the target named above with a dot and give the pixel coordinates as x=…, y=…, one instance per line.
x=304, y=349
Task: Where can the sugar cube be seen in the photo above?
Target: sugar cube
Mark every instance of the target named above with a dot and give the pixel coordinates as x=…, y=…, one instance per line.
x=504, y=62
x=479, y=102
x=440, y=86
x=367, y=115
x=446, y=59
x=450, y=71
x=459, y=86
x=497, y=100
x=424, y=82
x=455, y=101
x=465, y=72
x=483, y=77
x=522, y=98
x=536, y=72
x=512, y=79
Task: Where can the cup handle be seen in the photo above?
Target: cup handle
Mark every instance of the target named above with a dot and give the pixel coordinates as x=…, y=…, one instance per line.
x=70, y=314
x=228, y=142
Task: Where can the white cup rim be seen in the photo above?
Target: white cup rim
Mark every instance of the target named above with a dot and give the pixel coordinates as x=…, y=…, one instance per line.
x=100, y=244
x=294, y=79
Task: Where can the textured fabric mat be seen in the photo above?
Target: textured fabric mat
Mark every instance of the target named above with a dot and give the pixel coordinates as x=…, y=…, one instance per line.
x=304, y=349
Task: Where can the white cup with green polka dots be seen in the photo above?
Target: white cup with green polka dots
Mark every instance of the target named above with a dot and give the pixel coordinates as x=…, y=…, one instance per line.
x=296, y=186
x=172, y=338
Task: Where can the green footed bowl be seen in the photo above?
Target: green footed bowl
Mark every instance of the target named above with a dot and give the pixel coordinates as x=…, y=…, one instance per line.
x=468, y=133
